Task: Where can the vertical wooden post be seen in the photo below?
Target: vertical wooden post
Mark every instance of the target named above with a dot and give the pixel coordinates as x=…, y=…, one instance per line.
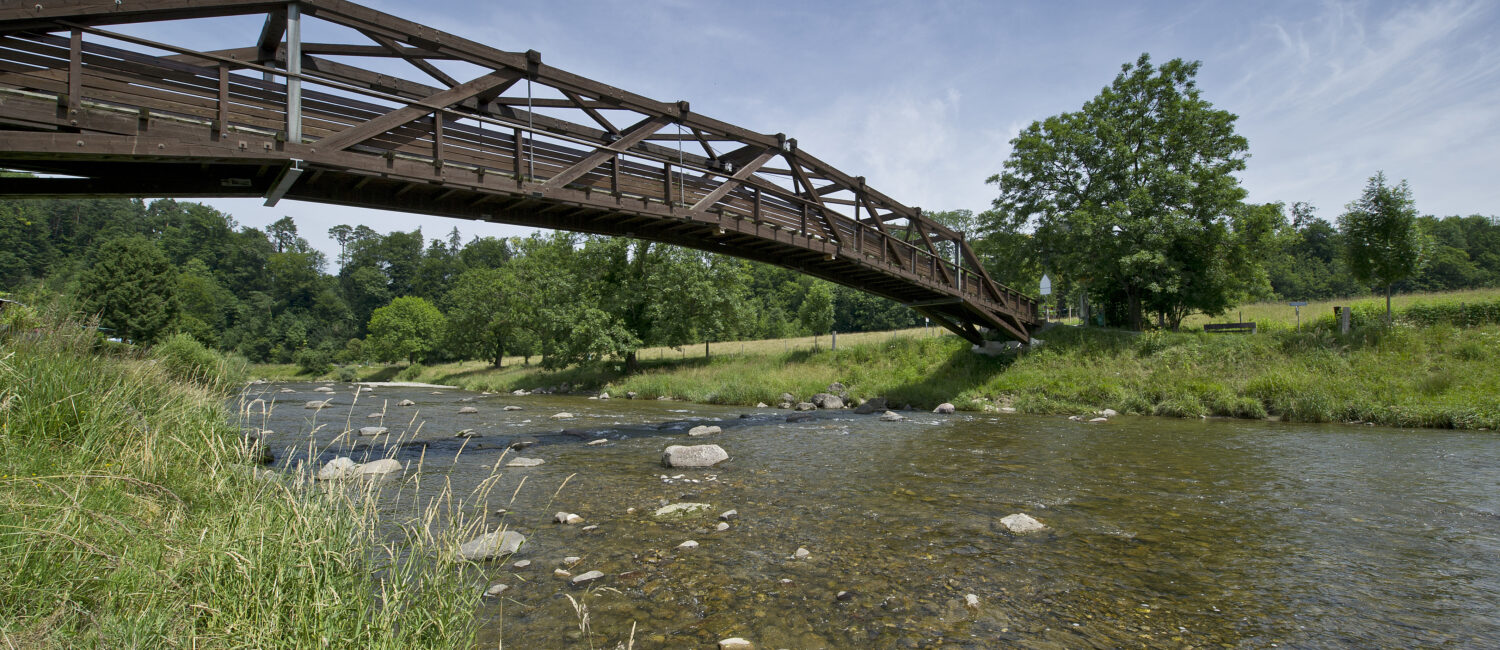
x=75, y=73
x=666, y=179
x=515, y=151
x=756, y=214
x=804, y=219
x=222, y=126
x=614, y=174
x=437, y=139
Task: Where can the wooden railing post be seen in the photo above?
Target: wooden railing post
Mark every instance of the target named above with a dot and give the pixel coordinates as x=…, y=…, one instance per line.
x=75, y=74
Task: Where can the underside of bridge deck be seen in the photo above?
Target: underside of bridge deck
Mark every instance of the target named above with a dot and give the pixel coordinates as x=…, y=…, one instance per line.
x=98, y=112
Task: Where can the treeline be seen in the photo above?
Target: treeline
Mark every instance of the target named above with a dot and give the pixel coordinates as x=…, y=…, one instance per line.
x=152, y=269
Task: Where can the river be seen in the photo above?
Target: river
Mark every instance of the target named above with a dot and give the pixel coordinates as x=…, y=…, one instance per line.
x=1161, y=532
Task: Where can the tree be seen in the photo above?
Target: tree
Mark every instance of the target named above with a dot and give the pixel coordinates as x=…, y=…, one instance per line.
x=480, y=314
x=132, y=287
x=1134, y=196
x=816, y=312
x=1382, y=241
x=408, y=328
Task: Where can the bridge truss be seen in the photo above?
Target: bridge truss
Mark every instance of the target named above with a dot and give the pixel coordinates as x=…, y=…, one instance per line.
x=99, y=112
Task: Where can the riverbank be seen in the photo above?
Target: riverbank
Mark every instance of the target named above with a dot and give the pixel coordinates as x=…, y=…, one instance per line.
x=131, y=515
x=1437, y=375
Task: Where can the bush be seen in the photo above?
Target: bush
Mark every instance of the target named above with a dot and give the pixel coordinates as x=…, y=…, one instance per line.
x=347, y=374
x=1450, y=313
x=187, y=360
x=315, y=362
x=410, y=373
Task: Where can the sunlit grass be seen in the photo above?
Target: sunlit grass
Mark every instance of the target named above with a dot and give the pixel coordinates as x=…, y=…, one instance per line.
x=1281, y=312
x=131, y=517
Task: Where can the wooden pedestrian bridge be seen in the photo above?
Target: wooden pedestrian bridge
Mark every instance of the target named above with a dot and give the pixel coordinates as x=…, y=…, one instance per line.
x=93, y=109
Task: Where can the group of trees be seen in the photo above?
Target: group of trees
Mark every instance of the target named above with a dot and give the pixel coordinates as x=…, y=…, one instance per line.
x=1131, y=204
x=151, y=269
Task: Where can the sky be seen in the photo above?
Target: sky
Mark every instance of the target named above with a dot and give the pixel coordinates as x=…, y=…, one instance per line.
x=923, y=97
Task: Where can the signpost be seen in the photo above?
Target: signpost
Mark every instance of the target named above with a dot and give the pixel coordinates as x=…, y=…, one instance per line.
x=1046, y=291
x=1298, y=305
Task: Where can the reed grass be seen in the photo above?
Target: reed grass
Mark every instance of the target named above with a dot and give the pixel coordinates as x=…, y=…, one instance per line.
x=131, y=517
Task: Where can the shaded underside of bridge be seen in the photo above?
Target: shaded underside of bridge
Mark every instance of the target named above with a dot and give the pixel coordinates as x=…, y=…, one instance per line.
x=486, y=134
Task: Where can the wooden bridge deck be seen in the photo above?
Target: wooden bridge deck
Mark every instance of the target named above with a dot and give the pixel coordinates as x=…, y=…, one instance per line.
x=523, y=143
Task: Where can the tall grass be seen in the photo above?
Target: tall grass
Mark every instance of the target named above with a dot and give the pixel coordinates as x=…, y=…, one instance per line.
x=130, y=517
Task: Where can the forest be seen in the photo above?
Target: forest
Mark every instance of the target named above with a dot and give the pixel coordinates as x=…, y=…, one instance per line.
x=149, y=269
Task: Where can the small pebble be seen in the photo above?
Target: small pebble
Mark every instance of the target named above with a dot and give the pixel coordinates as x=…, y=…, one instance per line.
x=844, y=595
x=589, y=576
x=972, y=601
x=561, y=573
x=721, y=527
x=521, y=564
x=728, y=514
x=496, y=589
x=590, y=527
x=802, y=553
x=688, y=544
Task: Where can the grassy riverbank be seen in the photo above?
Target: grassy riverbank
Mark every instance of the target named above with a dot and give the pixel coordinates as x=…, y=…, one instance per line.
x=130, y=517
x=1424, y=372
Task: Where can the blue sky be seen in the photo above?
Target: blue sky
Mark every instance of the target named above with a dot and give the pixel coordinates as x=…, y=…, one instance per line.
x=922, y=97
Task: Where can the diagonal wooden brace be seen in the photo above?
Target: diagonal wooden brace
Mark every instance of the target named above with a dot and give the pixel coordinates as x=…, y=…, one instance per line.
x=431, y=104
x=631, y=137
x=733, y=181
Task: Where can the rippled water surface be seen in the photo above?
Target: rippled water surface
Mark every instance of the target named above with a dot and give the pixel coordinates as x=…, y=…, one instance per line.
x=1162, y=533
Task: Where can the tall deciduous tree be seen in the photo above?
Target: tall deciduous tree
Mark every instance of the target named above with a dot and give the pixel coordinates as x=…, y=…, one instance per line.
x=132, y=287
x=1382, y=241
x=1133, y=196
x=816, y=312
x=408, y=328
x=481, y=313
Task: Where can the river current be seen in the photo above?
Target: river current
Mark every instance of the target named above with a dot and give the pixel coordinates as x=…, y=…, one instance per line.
x=1160, y=532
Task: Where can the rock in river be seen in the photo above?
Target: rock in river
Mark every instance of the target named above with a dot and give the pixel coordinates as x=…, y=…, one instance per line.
x=891, y=416
x=406, y=402
x=736, y=643
x=337, y=469
x=806, y=406
x=802, y=553
x=317, y=404
x=587, y=577
x=680, y=510
x=522, y=461
x=492, y=545
x=872, y=405
x=323, y=389
x=1022, y=523
x=690, y=544
x=467, y=410
x=512, y=408
x=562, y=416
x=566, y=518
x=827, y=401
x=372, y=431
x=944, y=408
x=704, y=430
x=693, y=455
x=382, y=467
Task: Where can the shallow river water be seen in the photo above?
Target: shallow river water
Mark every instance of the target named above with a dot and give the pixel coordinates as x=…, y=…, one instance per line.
x=1161, y=532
